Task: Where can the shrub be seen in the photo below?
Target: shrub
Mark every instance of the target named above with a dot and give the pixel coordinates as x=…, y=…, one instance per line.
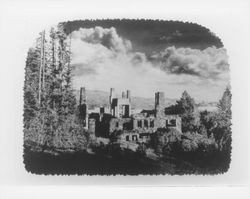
x=195, y=141
x=189, y=145
x=163, y=139
x=46, y=132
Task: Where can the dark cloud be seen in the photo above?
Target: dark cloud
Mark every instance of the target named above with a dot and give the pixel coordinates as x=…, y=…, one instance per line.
x=171, y=37
x=148, y=36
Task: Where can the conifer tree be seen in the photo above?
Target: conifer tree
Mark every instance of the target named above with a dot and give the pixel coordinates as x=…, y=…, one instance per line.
x=188, y=110
x=68, y=97
x=222, y=131
x=224, y=105
x=34, y=78
x=30, y=85
x=49, y=100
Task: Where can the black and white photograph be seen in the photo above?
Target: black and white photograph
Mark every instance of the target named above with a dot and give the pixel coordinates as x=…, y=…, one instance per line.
x=128, y=97
x=124, y=99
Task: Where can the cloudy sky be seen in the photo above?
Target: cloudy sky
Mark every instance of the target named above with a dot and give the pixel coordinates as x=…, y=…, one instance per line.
x=149, y=59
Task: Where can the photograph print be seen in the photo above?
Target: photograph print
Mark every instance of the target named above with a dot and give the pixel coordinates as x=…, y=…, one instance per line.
x=127, y=97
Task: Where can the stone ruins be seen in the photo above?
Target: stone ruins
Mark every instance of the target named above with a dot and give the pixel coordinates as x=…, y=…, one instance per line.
x=118, y=118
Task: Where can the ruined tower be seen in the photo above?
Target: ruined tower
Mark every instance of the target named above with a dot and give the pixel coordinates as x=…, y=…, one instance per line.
x=111, y=97
x=83, y=110
x=120, y=107
x=159, y=105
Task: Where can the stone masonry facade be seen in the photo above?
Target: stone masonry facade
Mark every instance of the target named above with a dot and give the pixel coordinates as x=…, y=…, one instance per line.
x=131, y=127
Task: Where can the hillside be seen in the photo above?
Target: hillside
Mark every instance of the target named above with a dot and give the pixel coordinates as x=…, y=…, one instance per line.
x=97, y=98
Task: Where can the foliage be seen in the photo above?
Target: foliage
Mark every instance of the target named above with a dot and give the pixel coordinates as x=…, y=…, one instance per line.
x=205, y=133
x=222, y=130
x=49, y=121
x=225, y=104
x=187, y=109
x=70, y=135
x=206, y=137
x=207, y=122
x=30, y=85
x=198, y=142
x=164, y=138
x=189, y=145
x=218, y=124
x=34, y=134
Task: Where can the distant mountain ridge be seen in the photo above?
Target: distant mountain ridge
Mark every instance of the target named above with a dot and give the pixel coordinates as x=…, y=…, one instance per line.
x=97, y=98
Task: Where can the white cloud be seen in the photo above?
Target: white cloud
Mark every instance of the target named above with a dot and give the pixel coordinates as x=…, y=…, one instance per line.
x=103, y=59
x=208, y=63
x=107, y=37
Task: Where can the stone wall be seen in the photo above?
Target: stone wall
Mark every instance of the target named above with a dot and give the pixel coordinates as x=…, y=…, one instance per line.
x=177, y=125
x=120, y=124
x=92, y=125
x=144, y=125
x=134, y=136
x=151, y=124
x=139, y=124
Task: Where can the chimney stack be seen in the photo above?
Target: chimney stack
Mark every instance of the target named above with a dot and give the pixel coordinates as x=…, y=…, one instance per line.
x=82, y=95
x=159, y=104
x=112, y=95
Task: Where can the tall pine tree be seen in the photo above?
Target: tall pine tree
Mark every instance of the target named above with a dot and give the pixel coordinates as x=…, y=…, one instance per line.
x=30, y=85
x=222, y=131
x=49, y=101
x=188, y=110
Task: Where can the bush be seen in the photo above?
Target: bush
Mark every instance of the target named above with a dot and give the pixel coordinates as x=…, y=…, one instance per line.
x=70, y=136
x=195, y=141
x=163, y=139
x=47, y=133
x=34, y=134
x=189, y=145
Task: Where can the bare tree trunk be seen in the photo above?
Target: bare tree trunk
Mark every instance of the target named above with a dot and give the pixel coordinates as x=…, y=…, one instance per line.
x=43, y=45
x=41, y=68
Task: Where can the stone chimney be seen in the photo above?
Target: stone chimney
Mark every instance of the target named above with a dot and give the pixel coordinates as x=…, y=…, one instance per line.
x=112, y=95
x=83, y=97
x=159, y=105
